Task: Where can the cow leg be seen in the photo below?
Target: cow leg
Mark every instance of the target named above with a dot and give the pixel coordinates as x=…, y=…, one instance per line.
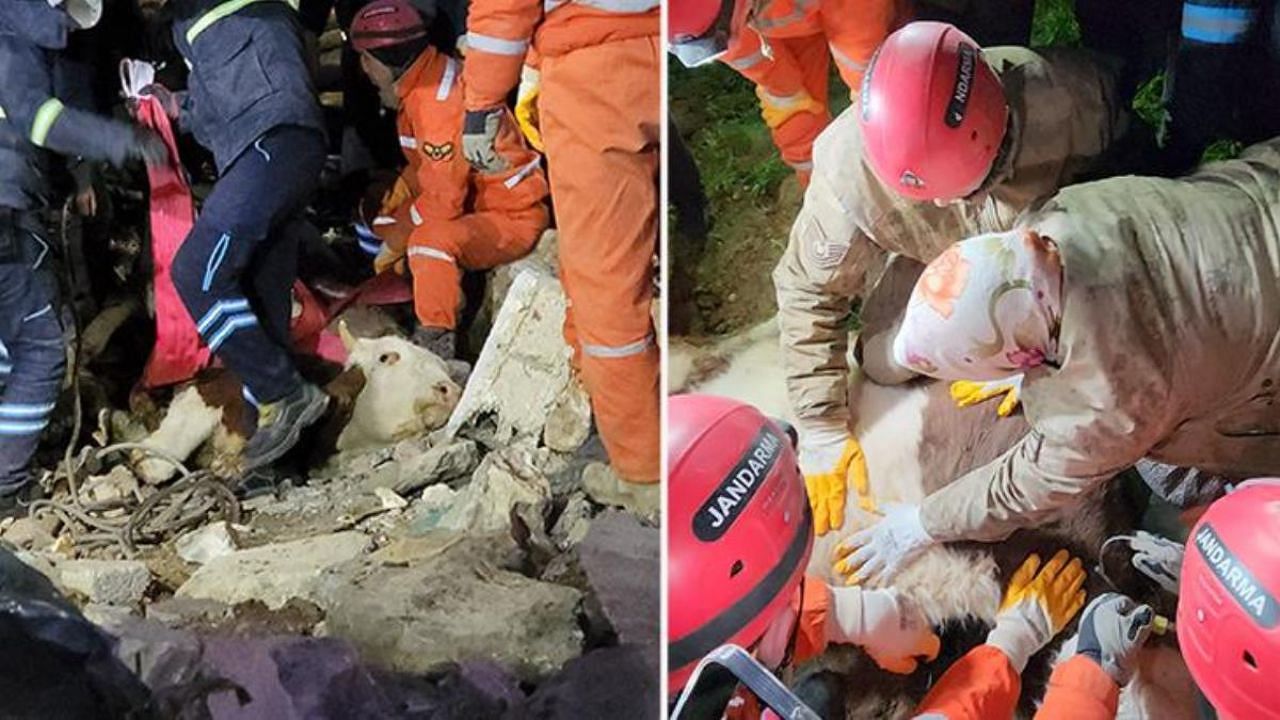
x=189, y=423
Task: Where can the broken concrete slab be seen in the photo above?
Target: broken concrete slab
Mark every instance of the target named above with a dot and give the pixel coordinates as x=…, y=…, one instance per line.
x=620, y=558
x=523, y=368
x=506, y=478
x=180, y=612
x=274, y=573
x=390, y=499
x=206, y=543
x=111, y=582
x=619, y=683
x=456, y=607
x=574, y=522
x=414, y=466
x=605, y=487
x=28, y=533
x=569, y=421
x=113, y=487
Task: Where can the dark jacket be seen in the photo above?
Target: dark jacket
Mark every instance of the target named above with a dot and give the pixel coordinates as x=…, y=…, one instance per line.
x=248, y=74
x=36, y=121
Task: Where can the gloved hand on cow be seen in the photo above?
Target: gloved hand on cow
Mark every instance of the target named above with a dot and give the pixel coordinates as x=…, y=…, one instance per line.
x=881, y=551
x=1112, y=631
x=829, y=460
x=1037, y=605
x=884, y=623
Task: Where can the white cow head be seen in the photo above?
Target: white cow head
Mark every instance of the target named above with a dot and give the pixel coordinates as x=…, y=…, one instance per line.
x=407, y=392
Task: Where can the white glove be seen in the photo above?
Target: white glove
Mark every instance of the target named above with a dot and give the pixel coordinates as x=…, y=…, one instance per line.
x=1112, y=631
x=1158, y=558
x=882, y=550
x=885, y=624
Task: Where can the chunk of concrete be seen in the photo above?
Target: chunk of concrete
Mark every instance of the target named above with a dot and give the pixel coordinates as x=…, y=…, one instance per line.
x=574, y=522
x=413, y=467
x=569, y=422
x=28, y=533
x=115, y=486
x=206, y=543
x=523, y=368
x=180, y=612
x=506, y=478
x=456, y=607
x=274, y=573
x=111, y=582
x=620, y=559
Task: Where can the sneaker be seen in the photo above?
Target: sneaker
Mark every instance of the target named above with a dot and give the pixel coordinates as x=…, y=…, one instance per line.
x=280, y=425
x=441, y=341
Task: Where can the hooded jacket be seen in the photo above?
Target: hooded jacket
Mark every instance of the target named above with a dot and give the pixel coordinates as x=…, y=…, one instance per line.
x=33, y=120
x=249, y=72
x=1169, y=346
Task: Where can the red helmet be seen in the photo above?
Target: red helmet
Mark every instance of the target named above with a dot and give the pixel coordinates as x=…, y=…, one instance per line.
x=933, y=114
x=384, y=23
x=1228, y=616
x=688, y=19
x=739, y=527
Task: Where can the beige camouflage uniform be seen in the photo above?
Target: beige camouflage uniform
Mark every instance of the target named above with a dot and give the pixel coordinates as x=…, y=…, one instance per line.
x=1064, y=115
x=1169, y=345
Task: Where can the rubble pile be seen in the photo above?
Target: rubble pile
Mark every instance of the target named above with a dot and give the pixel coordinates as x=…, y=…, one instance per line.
x=470, y=559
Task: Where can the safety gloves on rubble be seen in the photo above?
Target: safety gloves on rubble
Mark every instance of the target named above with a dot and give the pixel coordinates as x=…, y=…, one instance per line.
x=885, y=624
x=829, y=459
x=1038, y=603
x=882, y=550
x=972, y=392
x=1112, y=631
x=527, y=106
x=480, y=130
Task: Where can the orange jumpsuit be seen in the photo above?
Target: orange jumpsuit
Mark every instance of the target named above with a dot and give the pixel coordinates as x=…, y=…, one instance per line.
x=786, y=47
x=983, y=685
x=599, y=116
x=457, y=218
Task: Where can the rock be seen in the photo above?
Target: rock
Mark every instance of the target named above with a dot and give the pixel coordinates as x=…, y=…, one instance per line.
x=431, y=507
x=457, y=607
x=413, y=467
x=390, y=499
x=504, y=479
x=606, y=488
x=569, y=422
x=274, y=573
x=113, y=582
x=523, y=368
x=574, y=522
x=100, y=614
x=620, y=683
x=621, y=560
x=30, y=533
x=206, y=543
x=110, y=488
x=179, y=612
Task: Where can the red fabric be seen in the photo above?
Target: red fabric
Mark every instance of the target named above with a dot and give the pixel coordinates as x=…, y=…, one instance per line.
x=178, y=353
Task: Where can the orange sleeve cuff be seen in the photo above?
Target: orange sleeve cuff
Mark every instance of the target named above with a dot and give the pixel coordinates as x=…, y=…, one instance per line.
x=813, y=601
x=981, y=685
x=1080, y=690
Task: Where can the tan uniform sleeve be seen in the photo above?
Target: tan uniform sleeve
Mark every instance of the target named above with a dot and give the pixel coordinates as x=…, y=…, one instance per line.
x=1087, y=426
x=824, y=267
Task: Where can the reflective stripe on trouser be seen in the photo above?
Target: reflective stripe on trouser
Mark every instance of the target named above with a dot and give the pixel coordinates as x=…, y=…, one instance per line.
x=236, y=269
x=31, y=367
x=794, y=136
x=440, y=251
x=600, y=120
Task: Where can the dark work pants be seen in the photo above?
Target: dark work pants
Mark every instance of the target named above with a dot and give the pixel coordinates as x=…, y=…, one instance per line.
x=32, y=351
x=236, y=269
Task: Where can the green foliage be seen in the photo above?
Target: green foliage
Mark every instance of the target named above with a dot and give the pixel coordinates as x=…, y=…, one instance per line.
x=1055, y=24
x=1223, y=149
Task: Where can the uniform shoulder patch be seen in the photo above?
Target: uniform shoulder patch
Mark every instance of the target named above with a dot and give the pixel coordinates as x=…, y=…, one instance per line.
x=438, y=153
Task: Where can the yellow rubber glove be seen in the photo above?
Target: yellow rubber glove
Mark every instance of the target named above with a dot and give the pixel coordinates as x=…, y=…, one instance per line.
x=828, y=464
x=972, y=392
x=527, y=106
x=777, y=110
x=1038, y=603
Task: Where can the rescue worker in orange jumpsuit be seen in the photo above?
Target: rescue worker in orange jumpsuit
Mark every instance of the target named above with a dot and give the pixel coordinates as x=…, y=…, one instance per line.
x=450, y=218
x=599, y=117
x=785, y=47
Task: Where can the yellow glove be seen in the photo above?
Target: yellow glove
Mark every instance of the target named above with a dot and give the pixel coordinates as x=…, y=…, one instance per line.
x=777, y=110
x=829, y=464
x=1038, y=603
x=972, y=392
x=527, y=106
x=388, y=259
